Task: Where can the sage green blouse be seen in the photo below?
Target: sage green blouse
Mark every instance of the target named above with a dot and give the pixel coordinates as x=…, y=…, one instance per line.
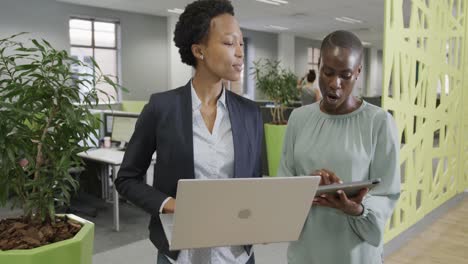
x=357, y=146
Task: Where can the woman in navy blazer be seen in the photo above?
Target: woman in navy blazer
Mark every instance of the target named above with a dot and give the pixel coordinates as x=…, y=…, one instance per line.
x=209, y=39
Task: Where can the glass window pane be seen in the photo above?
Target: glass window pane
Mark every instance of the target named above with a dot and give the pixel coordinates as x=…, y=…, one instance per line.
x=107, y=60
x=316, y=55
x=106, y=93
x=104, y=34
x=81, y=53
x=309, y=56
x=84, y=55
x=80, y=32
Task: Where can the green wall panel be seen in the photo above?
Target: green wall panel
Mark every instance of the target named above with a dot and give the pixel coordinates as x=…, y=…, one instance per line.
x=423, y=86
x=464, y=114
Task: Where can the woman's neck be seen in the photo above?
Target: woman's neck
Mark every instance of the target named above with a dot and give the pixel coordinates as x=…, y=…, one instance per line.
x=349, y=106
x=207, y=87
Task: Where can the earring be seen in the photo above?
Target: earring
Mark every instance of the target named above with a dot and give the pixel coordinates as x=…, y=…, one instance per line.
x=201, y=57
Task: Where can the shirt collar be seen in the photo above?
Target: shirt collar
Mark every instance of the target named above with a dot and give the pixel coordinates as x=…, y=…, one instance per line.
x=196, y=102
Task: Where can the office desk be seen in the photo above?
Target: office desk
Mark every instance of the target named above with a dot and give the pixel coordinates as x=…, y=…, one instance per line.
x=114, y=158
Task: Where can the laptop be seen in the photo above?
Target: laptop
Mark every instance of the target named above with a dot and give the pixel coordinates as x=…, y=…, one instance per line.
x=241, y=211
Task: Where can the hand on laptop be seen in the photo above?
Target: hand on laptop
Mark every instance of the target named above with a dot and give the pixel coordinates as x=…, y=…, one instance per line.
x=169, y=207
x=327, y=177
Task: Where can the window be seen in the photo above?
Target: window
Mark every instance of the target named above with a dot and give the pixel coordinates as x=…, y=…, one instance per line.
x=90, y=38
x=313, y=56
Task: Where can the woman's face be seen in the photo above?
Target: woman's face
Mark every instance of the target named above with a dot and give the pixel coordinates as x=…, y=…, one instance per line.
x=339, y=69
x=223, y=50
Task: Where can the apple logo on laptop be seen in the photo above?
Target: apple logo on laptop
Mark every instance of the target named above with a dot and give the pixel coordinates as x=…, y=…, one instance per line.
x=244, y=213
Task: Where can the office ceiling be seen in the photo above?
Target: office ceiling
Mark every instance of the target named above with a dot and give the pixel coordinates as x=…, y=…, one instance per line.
x=303, y=18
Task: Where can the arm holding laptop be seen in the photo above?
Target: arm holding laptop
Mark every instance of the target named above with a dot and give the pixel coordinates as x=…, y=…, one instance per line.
x=179, y=124
x=168, y=206
x=130, y=181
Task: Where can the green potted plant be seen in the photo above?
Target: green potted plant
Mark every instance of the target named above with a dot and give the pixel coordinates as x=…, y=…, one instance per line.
x=280, y=86
x=45, y=121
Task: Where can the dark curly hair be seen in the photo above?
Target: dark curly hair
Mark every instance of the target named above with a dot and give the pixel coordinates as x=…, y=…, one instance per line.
x=311, y=76
x=194, y=24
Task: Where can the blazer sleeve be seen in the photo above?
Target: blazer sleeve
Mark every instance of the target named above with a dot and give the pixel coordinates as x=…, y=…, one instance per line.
x=130, y=179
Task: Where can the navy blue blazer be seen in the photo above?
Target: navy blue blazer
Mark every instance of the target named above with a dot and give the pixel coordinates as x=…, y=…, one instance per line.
x=165, y=126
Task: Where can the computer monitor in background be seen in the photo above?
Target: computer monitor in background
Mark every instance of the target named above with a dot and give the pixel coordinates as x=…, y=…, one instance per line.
x=122, y=128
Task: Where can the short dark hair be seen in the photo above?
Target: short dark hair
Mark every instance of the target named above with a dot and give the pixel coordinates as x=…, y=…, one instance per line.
x=311, y=76
x=194, y=25
x=342, y=39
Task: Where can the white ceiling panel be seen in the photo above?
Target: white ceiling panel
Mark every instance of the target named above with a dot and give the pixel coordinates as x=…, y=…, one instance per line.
x=304, y=18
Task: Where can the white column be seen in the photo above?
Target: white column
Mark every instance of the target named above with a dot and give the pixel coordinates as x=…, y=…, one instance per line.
x=286, y=50
x=374, y=76
x=179, y=72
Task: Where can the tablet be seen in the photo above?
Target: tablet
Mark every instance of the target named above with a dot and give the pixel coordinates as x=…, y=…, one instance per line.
x=351, y=189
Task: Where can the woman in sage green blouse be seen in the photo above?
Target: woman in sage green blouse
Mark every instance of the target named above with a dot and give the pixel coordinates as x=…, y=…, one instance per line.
x=343, y=139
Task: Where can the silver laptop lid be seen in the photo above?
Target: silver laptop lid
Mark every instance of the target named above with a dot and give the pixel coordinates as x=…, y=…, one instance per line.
x=224, y=212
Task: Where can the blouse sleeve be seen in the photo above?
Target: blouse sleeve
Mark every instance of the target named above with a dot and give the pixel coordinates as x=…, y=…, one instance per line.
x=380, y=202
x=286, y=166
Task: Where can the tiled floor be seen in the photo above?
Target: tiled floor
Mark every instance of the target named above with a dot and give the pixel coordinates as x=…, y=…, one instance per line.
x=437, y=243
x=145, y=253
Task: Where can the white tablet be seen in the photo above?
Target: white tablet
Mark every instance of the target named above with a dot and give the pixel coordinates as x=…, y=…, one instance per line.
x=351, y=189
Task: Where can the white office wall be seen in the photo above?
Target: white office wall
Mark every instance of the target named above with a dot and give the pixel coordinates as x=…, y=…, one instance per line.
x=286, y=53
x=144, y=38
x=374, y=70
x=178, y=72
x=360, y=85
x=301, y=46
x=265, y=44
x=150, y=62
x=261, y=45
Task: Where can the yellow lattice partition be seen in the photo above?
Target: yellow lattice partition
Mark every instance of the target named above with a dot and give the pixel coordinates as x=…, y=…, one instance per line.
x=424, y=47
x=464, y=116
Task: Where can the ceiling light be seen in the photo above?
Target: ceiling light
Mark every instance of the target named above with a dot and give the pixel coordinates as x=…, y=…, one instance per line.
x=281, y=1
x=276, y=27
x=348, y=20
x=352, y=19
x=175, y=11
x=343, y=20
x=274, y=2
x=269, y=2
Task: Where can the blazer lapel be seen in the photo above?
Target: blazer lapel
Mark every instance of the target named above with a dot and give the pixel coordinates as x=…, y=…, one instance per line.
x=187, y=128
x=239, y=135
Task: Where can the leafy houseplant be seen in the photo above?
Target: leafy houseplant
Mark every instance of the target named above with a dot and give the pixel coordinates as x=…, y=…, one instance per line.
x=278, y=84
x=45, y=121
